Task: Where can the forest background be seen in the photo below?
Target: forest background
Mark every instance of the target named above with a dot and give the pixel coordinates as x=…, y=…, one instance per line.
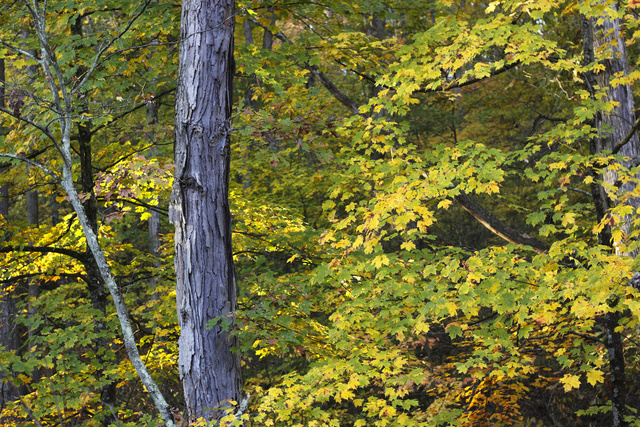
x=434, y=212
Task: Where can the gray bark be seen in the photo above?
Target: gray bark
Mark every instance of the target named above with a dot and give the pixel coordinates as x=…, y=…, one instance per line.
x=613, y=127
x=54, y=207
x=33, y=287
x=248, y=33
x=4, y=189
x=154, y=220
x=199, y=208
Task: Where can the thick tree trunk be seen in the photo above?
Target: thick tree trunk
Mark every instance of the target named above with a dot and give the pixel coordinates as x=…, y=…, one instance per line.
x=613, y=127
x=200, y=207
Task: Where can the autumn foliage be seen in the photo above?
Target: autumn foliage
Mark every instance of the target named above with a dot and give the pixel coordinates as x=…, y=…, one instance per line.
x=417, y=231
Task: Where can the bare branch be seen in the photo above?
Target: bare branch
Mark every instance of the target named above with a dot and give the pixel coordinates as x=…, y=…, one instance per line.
x=31, y=155
x=45, y=250
x=32, y=163
x=106, y=47
x=627, y=138
x=333, y=89
x=30, y=122
x=496, y=226
x=137, y=107
x=20, y=51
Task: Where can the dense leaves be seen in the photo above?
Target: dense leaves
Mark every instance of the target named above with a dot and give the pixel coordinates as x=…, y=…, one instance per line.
x=372, y=292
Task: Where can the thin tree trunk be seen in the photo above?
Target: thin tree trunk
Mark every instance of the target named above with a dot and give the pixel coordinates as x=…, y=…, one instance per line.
x=33, y=287
x=9, y=336
x=97, y=291
x=54, y=208
x=154, y=220
x=4, y=189
x=62, y=101
x=199, y=208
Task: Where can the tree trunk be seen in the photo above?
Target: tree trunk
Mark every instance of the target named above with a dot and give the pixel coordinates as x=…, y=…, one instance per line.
x=9, y=336
x=95, y=284
x=200, y=207
x=154, y=220
x=4, y=189
x=54, y=208
x=613, y=127
x=33, y=286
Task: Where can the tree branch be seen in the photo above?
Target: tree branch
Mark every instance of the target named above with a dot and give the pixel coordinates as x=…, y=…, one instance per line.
x=627, y=138
x=103, y=49
x=34, y=164
x=456, y=85
x=496, y=226
x=30, y=122
x=326, y=82
x=80, y=256
x=333, y=90
x=137, y=107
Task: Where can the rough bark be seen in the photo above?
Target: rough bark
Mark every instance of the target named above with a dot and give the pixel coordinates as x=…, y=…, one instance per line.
x=613, y=127
x=199, y=208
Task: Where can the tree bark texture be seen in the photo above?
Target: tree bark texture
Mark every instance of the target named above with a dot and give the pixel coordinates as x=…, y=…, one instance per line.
x=199, y=208
x=613, y=127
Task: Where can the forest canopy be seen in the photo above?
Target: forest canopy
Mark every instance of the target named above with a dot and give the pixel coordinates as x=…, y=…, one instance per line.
x=433, y=211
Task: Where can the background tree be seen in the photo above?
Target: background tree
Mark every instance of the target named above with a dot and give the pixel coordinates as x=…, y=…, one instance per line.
x=416, y=240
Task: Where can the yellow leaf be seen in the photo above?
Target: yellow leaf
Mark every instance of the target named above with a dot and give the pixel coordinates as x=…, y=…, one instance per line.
x=491, y=7
x=408, y=246
x=568, y=218
x=570, y=382
x=347, y=394
x=595, y=376
x=453, y=308
x=444, y=204
x=380, y=260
